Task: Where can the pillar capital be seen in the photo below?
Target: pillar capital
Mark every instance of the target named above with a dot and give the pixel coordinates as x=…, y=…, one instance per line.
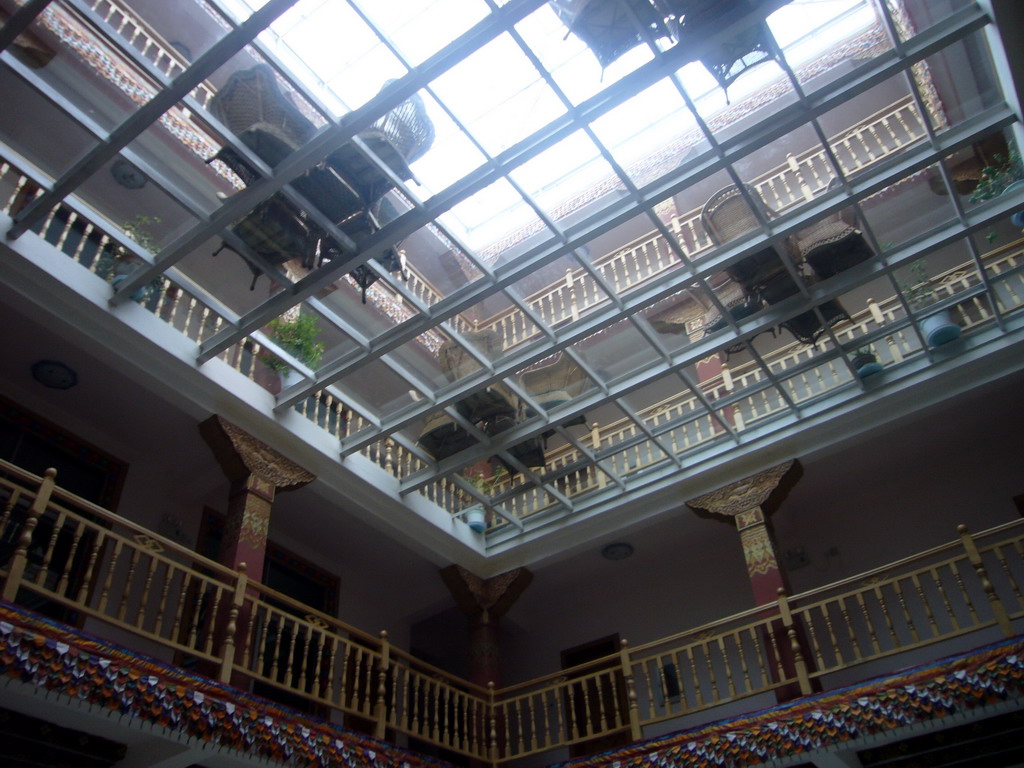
x=241, y=456
x=494, y=595
x=256, y=472
x=748, y=500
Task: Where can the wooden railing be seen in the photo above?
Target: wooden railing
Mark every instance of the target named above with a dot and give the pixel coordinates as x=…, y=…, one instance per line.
x=73, y=560
x=64, y=556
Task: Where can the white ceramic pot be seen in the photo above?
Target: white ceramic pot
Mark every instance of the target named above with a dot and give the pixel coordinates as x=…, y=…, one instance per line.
x=939, y=329
x=476, y=518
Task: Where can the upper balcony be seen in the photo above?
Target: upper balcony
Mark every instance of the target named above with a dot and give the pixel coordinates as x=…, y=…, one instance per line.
x=192, y=621
x=557, y=275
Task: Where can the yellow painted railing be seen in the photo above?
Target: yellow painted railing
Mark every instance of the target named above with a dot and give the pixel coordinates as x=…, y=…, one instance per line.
x=60, y=552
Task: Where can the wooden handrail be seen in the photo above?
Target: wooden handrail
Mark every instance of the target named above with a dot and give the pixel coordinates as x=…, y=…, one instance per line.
x=935, y=595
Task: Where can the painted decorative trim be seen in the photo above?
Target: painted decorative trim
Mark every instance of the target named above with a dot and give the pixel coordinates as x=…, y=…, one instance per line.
x=956, y=684
x=60, y=660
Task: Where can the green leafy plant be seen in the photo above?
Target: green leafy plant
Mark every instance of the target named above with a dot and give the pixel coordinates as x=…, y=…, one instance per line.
x=297, y=336
x=997, y=177
x=919, y=291
x=477, y=477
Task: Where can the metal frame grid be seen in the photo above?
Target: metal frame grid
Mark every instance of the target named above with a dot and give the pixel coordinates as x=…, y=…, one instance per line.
x=560, y=242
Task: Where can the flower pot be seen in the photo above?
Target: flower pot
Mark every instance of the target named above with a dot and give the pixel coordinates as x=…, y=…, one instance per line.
x=289, y=376
x=137, y=295
x=939, y=329
x=476, y=519
x=866, y=364
x=1018, y=217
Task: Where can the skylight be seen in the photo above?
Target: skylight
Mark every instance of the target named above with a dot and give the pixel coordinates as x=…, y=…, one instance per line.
x=500, y=97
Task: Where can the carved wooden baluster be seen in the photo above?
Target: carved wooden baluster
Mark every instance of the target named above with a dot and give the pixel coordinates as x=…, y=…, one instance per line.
x=186, y=579
x=214, y=618
x=231, y=627
x=107, y=582
x=249, y=635
x=697, y=687
x=712, y=674
x=16, y=567
x=777, y=672
x=1006, y=571
x=193, y=630
x=974, y=556
x=5, y=517
x=850, y=633
x=812, y=635
x=927, y=606
x=316, y=667
x=261, y=649
x=140, y=617
x=44, y=567
x=869, y=623
x=794, y=643
x=65, y=576
x=90, y=567
x=292, y=629
x=744, y=671
x=332, y=655
x=416, y=704
x=963, y=593
x=945, y=598
x=574, y=730
x=762, y=662
x=884, y=605
x=728, y=667
x=275, y=660
x=364, y=678
x=907, y=618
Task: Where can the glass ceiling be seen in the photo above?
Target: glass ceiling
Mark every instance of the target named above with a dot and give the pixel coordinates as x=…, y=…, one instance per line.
x=507, y=273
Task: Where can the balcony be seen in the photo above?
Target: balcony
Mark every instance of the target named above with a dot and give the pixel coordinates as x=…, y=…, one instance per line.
x=67, y=558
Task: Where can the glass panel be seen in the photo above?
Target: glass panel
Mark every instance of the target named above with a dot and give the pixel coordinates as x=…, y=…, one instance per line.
x=574, y=67
x=451, y=156
x=618, y=351
x=89, y=72
x=822, y=41
x=491, y=214
x=905, y=211
x=565, y=180
x=913, y=17
x=958, y=82
x=380, y=388
x=631, y=254
x=169, y=38
x=789, y=172
x=426, y=26
x=52, y=153
x=334, y=51
x=649, y=134
x=558, y=293
x=498, y=112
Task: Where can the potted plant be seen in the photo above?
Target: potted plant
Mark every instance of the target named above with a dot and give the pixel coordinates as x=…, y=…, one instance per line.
x=114, y=264
x=1005, y=175
x=865, y=362
x=297, y=335
x=1006, y=172
x=477, y=476
x=937, y=327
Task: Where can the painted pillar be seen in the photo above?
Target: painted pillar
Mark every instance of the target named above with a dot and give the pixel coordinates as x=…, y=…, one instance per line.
x=485, y=601
x=257, y=473
x=747, y=504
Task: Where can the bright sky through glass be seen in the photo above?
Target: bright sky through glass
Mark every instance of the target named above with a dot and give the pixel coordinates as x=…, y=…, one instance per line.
x=500, y=97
